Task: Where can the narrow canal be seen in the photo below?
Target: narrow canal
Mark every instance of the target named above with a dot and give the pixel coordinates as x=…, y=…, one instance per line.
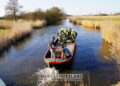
x=22, y=60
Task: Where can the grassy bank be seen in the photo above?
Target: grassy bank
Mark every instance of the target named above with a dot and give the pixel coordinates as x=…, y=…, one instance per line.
x=110, y=29
x=11, y=31
x=111, y=34
x=15, y=31
x=93, y=22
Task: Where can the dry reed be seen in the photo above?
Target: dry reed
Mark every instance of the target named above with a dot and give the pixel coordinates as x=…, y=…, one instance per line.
x=109, y=26
x=11, y=30
x=111, y=33
x=38, y=23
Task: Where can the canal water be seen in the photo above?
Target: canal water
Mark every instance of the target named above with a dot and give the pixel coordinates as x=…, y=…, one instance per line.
x=20, y=63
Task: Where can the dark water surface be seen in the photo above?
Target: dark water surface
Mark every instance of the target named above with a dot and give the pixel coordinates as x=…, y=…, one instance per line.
x=23, y=59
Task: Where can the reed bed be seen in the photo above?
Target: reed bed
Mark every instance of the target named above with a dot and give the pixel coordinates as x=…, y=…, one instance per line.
x=110, y=29
x=5, y=24
x=38, y=23
x=93, y=22
x=10, y=31
x=16, y=31
x=111, y=33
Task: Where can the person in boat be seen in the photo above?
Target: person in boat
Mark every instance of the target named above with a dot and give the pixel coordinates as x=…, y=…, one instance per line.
x=52, y=47
x=59, y=32
x=73, y=35
x=69, y=33
x=60, y=39
x=61, y=36
x=62, y=32
x=65, y=52
x=66, y=33
x=65, y=37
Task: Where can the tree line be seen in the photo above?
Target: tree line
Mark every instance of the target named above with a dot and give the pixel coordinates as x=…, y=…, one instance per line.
x=13, y=12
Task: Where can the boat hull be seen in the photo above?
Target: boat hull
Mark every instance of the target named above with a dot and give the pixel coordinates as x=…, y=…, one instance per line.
x=60, y=64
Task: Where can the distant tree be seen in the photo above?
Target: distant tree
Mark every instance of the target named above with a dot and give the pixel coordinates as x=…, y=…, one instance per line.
x=54, y=15
x=12, y=8
x=101, y=14
x=38, y=14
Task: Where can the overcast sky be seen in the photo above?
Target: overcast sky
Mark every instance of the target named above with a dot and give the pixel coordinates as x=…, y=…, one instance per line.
x=72, y=7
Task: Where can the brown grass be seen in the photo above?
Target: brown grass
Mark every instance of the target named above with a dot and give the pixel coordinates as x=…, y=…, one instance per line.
x=111, y=33
x=6, y=24
x=11, y=30
x=109, y=26
x=16, y=31
x=38, y=23
x=86, y=23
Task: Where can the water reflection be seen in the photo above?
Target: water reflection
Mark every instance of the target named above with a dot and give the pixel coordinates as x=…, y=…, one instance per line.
x=104, y=51
x=21, y=43
x=89, y=29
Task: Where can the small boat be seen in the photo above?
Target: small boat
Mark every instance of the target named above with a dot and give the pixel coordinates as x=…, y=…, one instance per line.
x=58, y=61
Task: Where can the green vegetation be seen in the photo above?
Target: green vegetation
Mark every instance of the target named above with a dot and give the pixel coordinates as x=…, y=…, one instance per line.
x=54, y=15
x=14, y=27
x=51, y=16
x=2, y=32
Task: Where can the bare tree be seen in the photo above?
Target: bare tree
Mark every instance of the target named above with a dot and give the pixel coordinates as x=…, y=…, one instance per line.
x=12, y=8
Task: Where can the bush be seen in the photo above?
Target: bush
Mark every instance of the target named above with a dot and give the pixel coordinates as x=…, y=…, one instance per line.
x=54, y=15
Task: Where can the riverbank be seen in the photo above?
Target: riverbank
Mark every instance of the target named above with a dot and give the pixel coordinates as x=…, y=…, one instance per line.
x=109, y=27
x=93, y=22
x=111, y=33
x=10, y=31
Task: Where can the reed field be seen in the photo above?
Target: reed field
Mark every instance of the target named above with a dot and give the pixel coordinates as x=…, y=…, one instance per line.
x=111, y=33
x=109, y=27
x=38, y=23
x=93, y=22
x=11, y=30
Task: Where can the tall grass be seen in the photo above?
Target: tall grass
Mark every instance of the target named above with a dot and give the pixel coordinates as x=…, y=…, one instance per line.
x=38, y=23
x=6, y=24
x=110, y=29
x=15, y=32
x=93, y=22
x=109, y=26
x=111, y=33
x=11, y=30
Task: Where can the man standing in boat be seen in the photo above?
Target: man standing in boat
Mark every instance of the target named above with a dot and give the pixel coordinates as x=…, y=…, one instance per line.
x=52, y=47
x=69, y=33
